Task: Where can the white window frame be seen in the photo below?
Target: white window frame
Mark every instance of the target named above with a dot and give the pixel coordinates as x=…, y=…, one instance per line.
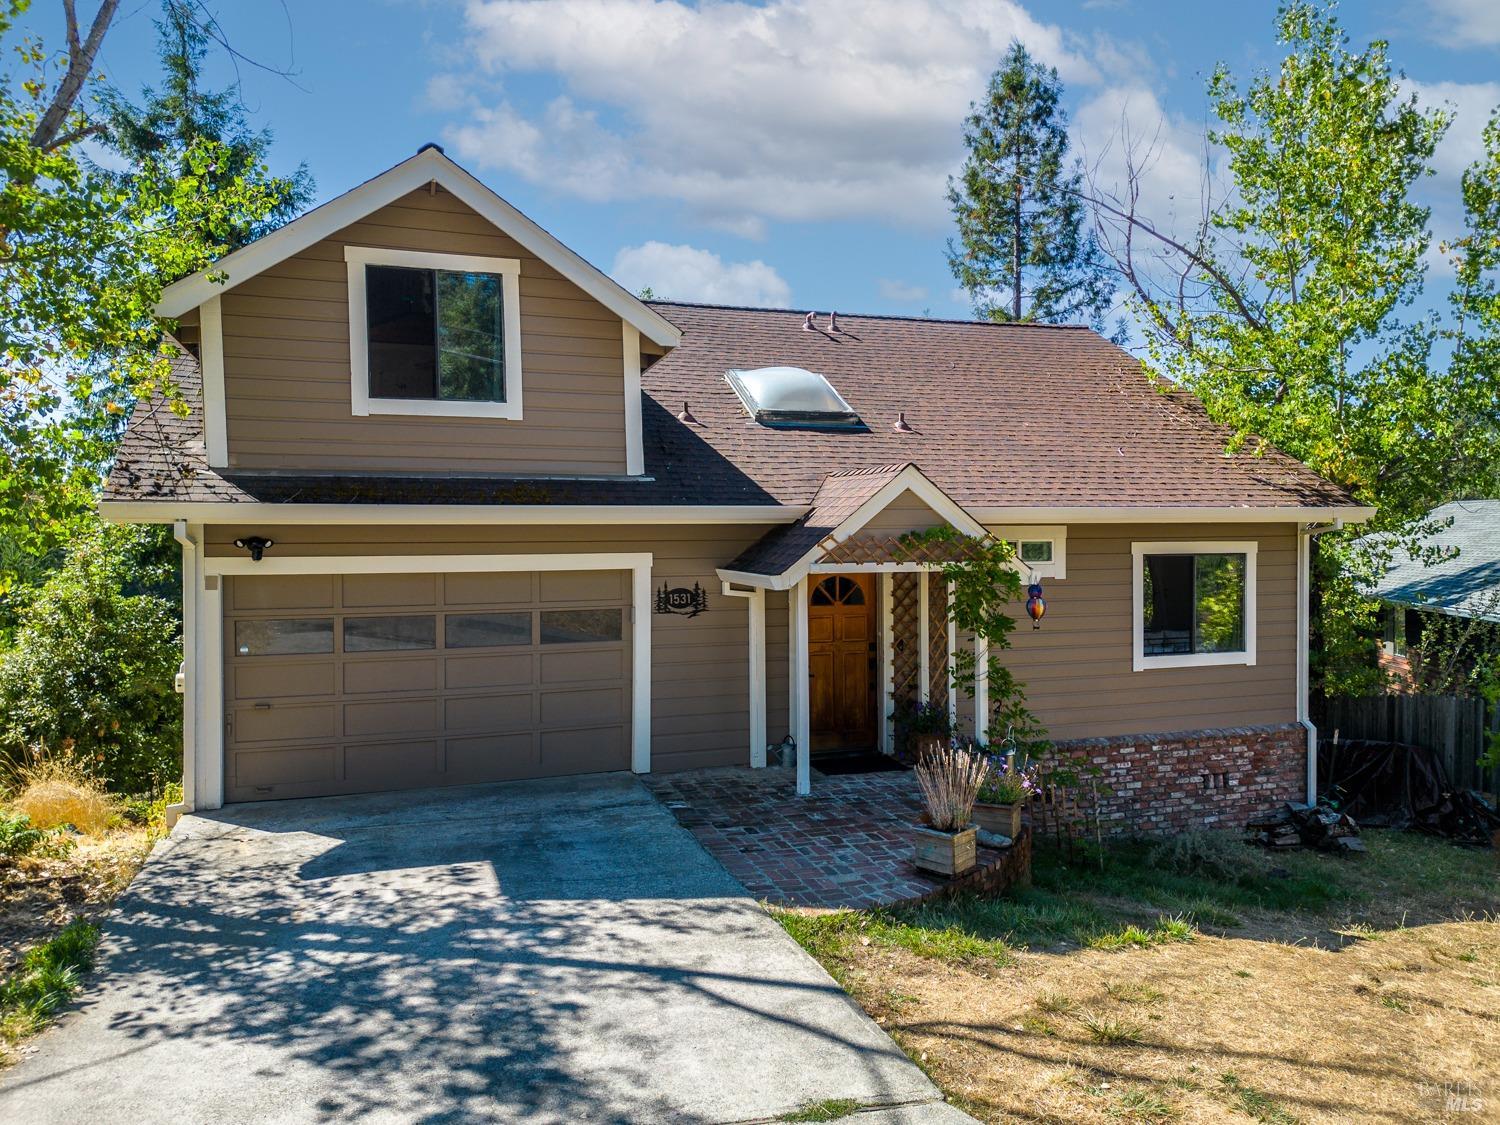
x=1138, y=551
x=1056, y=534
x=356, y=258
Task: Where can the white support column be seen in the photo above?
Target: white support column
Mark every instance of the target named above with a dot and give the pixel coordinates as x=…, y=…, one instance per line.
x=981, y=688
x=640, y=702
x=635, y=456
x=924, y=648
x=208, y=778
x=756, y=604
x=952, y=656
x=801, y=714
x=887, y=661
x=191, y=538
x=211, y=348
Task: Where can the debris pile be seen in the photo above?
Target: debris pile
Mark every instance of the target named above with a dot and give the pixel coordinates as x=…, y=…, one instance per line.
x=1294, y=825
x=1397, y=785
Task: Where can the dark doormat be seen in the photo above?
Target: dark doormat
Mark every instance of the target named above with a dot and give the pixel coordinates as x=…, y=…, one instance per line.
x=855, y=761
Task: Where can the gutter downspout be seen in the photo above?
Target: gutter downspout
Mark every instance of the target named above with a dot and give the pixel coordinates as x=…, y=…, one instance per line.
x=1305, y=535
x=186, y=681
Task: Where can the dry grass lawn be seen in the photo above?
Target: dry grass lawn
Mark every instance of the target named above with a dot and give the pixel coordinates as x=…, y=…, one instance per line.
x=1309, y=988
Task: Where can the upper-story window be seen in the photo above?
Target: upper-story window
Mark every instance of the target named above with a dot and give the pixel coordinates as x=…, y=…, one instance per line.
x=434, y=334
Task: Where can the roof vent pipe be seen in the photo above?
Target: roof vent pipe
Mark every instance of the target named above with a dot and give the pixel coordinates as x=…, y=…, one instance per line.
x=901, y=425
x=807, y=325
x=685, y=416
x=833, y=322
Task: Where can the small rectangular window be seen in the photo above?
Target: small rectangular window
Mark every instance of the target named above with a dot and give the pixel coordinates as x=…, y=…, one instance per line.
x=1036, y=550
x=486, y=630
x=285, y=637
x=1193, y=604
x=389, y=634
x=435, y=334
x=581, y=626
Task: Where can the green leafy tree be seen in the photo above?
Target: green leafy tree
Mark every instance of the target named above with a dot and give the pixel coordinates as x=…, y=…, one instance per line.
x=90, y=672
x=164, y=126
x=1288, y=311
x=84, y=255
x=1025, y=251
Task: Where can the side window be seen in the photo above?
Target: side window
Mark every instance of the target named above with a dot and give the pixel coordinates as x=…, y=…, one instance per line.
x=1194, y=604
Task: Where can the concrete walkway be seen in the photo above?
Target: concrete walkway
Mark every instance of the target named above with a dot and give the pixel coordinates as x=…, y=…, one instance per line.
x=554, y=951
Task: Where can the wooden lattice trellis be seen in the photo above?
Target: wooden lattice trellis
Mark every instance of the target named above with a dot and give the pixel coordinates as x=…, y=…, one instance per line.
x=906, y=670
x=937, y=639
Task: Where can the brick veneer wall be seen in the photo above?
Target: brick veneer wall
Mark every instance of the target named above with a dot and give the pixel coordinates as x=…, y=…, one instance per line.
x=1165, y=783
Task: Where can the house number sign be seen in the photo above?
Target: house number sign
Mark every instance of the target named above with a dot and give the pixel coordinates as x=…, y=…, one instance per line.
x=681, y=600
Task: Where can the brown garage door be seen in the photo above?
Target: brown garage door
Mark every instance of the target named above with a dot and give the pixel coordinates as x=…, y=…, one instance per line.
x=357, y=683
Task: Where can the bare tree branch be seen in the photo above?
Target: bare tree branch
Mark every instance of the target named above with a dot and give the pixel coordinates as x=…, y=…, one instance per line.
x=80, y=65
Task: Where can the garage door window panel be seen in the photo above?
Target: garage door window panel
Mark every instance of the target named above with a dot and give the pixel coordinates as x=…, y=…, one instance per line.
x=389, y=634
x=486, y=630
x=291, y=636
x=581, y=626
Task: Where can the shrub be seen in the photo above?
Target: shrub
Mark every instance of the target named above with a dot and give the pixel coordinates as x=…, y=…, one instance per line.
x=55, y=791
x=1221, y=856
x=91, y=669
x=18, y=836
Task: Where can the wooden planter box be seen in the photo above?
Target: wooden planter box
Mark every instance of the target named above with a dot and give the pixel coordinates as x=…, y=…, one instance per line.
x=945, y=853
x=1003, y=820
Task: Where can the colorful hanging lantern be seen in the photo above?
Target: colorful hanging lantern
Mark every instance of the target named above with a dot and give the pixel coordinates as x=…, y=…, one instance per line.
x=1036, y=605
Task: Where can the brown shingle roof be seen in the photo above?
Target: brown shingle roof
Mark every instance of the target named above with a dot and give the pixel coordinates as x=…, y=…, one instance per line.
x=1005, y=415
x=838, y=497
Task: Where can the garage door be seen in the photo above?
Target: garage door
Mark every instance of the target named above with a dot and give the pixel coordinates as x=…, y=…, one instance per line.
x=357, y=683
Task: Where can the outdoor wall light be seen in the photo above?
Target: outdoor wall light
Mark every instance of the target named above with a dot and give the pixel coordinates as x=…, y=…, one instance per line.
x=256, y=545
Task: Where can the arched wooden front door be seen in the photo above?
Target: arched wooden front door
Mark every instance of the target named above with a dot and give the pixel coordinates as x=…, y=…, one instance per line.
x=841, y=661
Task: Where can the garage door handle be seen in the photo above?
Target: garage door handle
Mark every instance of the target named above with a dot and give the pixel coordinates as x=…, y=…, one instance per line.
x=262, y=706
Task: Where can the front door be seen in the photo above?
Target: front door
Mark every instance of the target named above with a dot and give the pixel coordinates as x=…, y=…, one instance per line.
x=841, y=662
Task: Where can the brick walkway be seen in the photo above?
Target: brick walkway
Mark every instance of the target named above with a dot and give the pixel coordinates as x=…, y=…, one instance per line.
x=845, y=846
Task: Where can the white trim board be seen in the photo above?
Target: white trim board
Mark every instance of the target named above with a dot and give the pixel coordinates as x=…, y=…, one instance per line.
x=1055, y=533
x=242, y=514
x=635, y=442
x=206, y=690
x=1140, y=662
x=428, y=166
x=1151, y=513
x=357, y=258
x=215, y=419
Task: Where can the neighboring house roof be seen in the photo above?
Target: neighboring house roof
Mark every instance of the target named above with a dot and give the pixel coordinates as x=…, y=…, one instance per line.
x=429, y=165
x=1466, y=583
x=1003, y=417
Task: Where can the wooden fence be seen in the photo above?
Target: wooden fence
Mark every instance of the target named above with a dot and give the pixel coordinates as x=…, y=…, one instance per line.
x=1454, y=727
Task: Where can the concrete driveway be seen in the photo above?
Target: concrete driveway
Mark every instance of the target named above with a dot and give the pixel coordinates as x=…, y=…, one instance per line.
x=541, y=951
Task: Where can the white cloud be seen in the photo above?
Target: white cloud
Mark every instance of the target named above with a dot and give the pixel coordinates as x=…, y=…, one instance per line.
x=901, y=292
x=1464, y=23
x=798, y=110
x=1471, y=104
x=686, y=273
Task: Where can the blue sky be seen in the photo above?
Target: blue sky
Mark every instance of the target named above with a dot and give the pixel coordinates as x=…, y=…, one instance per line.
x=787, y=152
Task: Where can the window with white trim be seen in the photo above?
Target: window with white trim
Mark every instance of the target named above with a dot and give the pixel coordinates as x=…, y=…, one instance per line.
x=1194, y=604
x=1041, y=550
x=434, y=334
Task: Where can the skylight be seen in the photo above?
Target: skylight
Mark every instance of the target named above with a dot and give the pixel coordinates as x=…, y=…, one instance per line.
x=792, y=397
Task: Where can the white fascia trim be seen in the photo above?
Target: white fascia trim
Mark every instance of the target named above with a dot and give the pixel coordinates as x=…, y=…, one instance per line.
x=417, y=515
x=210, y=650
x=1146, y=513
x=1140, y=661
x=635, y=442
x=428, y=166
x=215, y=423
x=1056, y=534
x=356, y=258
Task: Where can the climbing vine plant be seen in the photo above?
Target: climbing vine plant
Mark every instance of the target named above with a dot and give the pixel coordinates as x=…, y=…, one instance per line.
x=985, y=582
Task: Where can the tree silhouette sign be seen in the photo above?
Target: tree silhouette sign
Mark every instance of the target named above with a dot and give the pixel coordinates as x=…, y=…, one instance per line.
x=681, y=600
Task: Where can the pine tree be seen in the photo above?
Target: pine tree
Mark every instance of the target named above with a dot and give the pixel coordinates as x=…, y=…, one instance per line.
x=1025, y=253
x=179, y=113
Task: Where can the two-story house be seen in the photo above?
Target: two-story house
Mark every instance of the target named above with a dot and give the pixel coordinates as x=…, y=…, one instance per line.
x=455, y=507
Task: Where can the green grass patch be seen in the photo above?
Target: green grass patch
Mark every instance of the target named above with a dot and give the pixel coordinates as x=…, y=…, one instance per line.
x=1133, y=992
x=830, y=1109
x=1145, y=1105
x=48, y=975
x=1111, y=1030
x=830, y=937
x=1253, y=1103
x=1131, y=936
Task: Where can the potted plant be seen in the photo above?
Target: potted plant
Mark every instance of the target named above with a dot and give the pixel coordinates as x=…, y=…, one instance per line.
x=949, y=778
x=926, y=727
x=1003, y=796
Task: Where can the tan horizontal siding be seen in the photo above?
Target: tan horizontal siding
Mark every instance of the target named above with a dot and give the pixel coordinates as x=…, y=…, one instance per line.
x=1077, y=667
x=700, y=666
x=286, y=355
